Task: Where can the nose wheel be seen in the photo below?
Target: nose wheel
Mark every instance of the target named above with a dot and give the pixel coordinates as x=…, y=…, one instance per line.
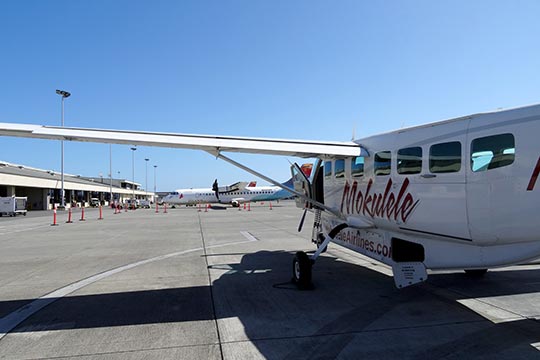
x=301, y=269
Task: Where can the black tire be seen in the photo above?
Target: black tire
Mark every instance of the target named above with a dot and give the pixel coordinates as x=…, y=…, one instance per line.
x=476, y=272
x=301, y=269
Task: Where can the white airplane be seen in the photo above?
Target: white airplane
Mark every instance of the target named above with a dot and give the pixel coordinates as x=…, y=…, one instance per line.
x=235, y=194
x=455, y=194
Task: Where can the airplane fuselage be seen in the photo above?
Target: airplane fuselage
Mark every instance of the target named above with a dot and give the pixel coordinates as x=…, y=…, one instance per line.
x=207, y=196
x=460, y=193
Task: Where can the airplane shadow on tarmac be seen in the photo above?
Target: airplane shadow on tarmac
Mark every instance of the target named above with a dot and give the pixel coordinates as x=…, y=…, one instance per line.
x=353, y=312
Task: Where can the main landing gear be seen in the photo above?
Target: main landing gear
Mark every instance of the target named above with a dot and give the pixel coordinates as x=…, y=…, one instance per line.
x=302, y=263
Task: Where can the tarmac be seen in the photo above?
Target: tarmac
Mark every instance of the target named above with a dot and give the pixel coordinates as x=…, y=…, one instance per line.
x=215, y=284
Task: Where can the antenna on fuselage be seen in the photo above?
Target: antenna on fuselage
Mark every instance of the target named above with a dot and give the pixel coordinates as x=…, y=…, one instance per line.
x=353, y=133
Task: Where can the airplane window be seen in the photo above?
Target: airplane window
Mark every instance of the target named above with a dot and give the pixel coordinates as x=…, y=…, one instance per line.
x=409, y=160
x=492, y=152
x=339, y=168
x=382, y=163
x=327, y=168
x=445, y=157
x=357, y=166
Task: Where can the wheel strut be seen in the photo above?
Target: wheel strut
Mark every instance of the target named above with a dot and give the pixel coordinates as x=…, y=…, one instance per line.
x=331, y=235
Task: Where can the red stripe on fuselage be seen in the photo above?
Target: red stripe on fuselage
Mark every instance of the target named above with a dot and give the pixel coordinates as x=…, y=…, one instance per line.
x=534, y=176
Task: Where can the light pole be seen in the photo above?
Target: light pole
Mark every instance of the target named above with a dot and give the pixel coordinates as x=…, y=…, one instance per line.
x=133, y=175
x=110, y=175
x=146, y=176
x=64, y=95
x=155, y=166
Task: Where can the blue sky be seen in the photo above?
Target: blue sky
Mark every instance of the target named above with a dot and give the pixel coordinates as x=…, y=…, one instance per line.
x=285, y=69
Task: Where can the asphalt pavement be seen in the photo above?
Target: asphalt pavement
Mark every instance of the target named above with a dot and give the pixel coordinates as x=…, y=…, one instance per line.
x=215, y=284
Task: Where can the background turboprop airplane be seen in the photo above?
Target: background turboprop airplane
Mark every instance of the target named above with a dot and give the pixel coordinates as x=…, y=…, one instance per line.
x=454, y=194
x=235, y=194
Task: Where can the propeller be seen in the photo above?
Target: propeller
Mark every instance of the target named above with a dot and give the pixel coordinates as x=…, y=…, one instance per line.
x=215, y=188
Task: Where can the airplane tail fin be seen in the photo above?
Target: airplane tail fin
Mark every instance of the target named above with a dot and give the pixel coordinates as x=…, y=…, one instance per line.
x=306, y=169
x=288, y=183
x=252, y=184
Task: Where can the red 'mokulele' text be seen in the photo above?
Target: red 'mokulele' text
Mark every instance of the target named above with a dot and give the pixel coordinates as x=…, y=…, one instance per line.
x=383, y=205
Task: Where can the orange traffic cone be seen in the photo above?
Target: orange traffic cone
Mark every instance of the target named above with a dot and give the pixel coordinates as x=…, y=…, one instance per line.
x=54, y=217
x=69, y=217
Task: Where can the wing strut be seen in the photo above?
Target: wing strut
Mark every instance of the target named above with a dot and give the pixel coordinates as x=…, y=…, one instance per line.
x=277, y=183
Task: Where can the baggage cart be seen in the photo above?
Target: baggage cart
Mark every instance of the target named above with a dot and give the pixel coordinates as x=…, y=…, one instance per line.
x=13, y=205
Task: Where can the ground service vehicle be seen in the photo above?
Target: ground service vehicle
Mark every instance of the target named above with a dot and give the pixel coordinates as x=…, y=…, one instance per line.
x=12, y=206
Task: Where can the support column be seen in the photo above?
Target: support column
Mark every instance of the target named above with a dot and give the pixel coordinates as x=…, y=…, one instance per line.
x=10, y=190
x=45, y=199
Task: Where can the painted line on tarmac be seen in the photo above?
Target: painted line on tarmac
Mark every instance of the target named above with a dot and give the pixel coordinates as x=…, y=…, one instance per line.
x=12, y=320
x=248, y=236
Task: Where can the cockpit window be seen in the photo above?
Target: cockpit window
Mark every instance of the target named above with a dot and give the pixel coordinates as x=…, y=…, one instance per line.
x=327, y=168
x=339, y=168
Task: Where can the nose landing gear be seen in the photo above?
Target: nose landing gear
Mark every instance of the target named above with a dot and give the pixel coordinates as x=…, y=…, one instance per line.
x=302, y=263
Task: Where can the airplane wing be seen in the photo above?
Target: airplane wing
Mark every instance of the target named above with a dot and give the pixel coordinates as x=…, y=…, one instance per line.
x=238, y=186
x=210, y=143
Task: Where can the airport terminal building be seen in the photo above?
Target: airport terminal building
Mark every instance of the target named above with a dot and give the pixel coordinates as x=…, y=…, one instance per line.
x=43, y=187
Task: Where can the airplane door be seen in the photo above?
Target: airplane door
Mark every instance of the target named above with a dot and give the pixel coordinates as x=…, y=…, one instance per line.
x=503, y=188
x=317, y=187
x=490, y=184
x=302, y=185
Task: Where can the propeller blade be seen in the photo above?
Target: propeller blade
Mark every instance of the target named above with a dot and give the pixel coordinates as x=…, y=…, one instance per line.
x=301, y=225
